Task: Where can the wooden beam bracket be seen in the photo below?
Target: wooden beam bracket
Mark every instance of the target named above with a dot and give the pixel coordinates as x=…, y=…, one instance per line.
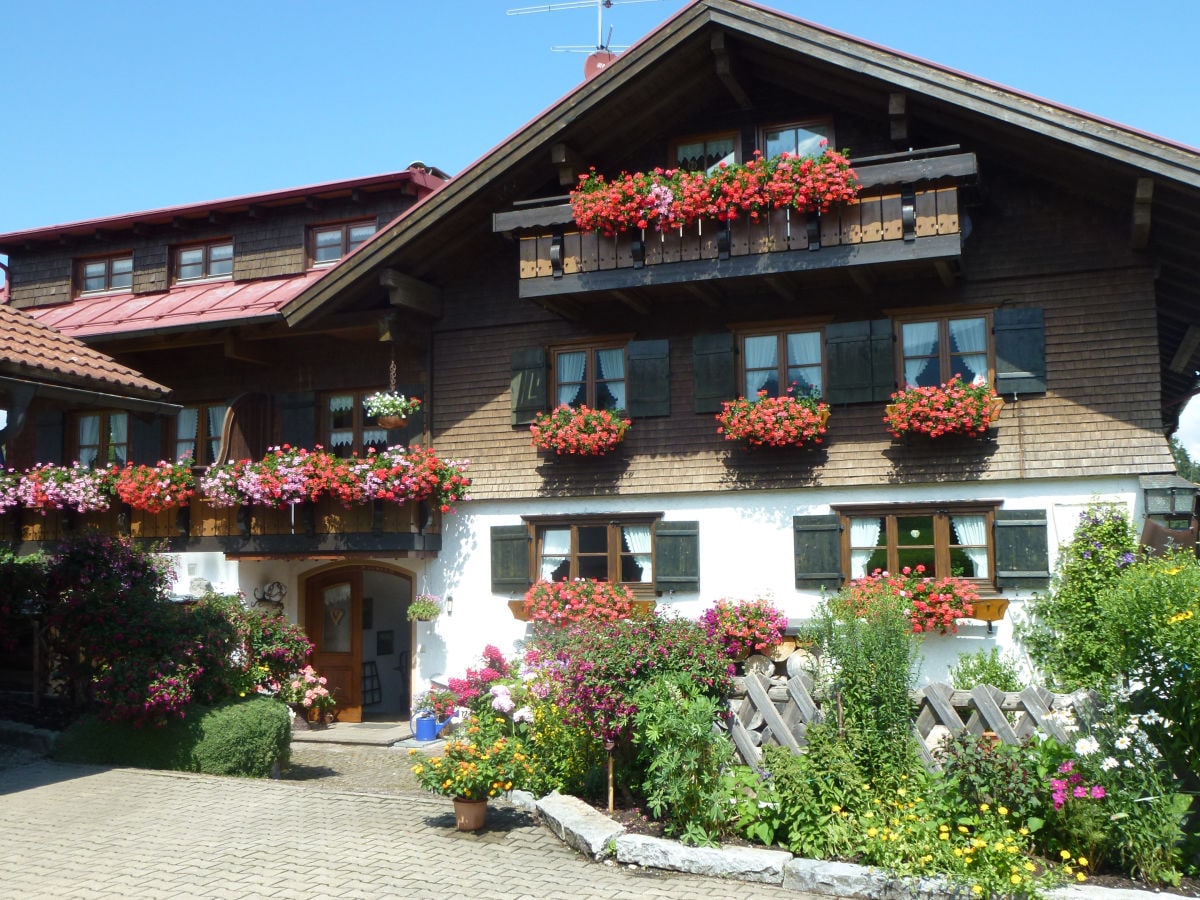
x=569, y=163
x=898, y=116
x=410, y=293
x=1143, y=199
x=727, y=71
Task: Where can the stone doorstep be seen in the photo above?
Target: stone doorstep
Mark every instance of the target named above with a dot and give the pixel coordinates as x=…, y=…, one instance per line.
x=590, y=832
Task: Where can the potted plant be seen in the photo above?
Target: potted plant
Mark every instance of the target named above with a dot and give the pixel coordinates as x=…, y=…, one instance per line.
x=472, y=770
x=945, y=409
x=743, y=627
x=424, y=608
x=432, y=711
x=391, y=409
x=579, y=430
x=933, y=604
x=306, y=693
x=787, y=421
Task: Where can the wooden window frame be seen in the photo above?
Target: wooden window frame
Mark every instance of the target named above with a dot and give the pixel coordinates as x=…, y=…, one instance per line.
x=944, y=351
x=105, y=445
x=81, y=264
x=361, y=422
x=206, y=262
x=941, y=513
x=203, y=436
x=824, y=122
x=780, y=332
x=642, y=590
x=344, y=228
x=673, y=147
x=589, y=373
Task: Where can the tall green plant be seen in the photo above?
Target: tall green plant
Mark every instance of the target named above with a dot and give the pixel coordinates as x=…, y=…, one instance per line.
x=1060, y=631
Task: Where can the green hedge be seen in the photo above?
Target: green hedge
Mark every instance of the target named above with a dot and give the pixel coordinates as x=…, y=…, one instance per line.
x=243, y=737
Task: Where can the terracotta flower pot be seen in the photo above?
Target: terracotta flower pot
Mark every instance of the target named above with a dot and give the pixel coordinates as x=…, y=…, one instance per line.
x=469, y=815
x=392, y=421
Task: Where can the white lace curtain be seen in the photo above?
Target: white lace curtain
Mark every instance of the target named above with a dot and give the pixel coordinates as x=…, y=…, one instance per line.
x=637, y=539
x=89, y=439
x=973, y=530
x=864, y=539
x=570, y=377
x=804, y=355
x=185, y=432
x=556, y=550
x=761, y=363
x=610, y=366
x=968, y=340
x=919, y=340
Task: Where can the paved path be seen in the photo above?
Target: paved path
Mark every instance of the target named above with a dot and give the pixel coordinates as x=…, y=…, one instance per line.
x=88, y=832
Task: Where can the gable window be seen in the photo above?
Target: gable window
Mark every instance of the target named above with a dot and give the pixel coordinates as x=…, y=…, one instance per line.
x=699, y=154
x=213, y=260
x=591, y=375
x=620, y=550
x=802, y=139
x=945, y=541
x=329, y=243
x=102, y=438
x=198, y=432
x=348, y=429
x=109, y=273
x=775, y=362
x=935, y=350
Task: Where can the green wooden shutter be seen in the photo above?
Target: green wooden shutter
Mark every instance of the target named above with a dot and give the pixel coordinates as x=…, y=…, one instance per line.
x=48, y=440
x=145, y=439
x=414, y=428
x=1020, y=351
x=677, y=556
x=818, y=551
x=1022, y=549
x=298, y=419
x=649, y=379
x=859, y=360
x=528, y=384
x=510, y=559
x=714, y=371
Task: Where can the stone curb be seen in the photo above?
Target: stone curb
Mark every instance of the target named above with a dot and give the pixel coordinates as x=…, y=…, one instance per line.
x=578, y=825
x=742, y=863
x=18, y=734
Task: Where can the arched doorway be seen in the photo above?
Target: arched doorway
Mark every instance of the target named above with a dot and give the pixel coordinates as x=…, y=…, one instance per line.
x=355, y=617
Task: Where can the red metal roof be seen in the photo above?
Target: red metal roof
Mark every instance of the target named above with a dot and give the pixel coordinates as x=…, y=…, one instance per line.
x=33, y=350
x=184, y=306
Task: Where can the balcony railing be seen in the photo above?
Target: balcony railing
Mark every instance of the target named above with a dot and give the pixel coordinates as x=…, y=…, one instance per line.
x=908, y=210
x=322, y=527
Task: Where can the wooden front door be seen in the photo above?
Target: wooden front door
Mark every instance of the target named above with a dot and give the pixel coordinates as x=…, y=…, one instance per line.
x=333, y=620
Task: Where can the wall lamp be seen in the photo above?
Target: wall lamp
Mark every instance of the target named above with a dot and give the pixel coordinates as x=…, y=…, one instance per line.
x=449, y=604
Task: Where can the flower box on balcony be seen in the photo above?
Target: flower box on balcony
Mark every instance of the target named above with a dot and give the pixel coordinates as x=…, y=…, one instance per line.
x=579, y=430
x=787, y=421
x=953, y=408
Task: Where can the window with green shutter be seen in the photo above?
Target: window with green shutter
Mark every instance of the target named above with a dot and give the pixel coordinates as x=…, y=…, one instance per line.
x=1022, y=549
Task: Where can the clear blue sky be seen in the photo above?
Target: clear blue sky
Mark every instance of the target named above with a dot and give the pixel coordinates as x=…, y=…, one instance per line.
x=127, y=105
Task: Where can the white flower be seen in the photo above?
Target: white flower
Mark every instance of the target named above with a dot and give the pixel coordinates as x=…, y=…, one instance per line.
x=524, y=714
x=1129, y=763
x=1086, y=746
x=1152, y=718
x=1109, y=764
x=1123, y=742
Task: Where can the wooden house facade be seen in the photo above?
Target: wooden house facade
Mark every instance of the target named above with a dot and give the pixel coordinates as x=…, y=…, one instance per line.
x=1049, y=252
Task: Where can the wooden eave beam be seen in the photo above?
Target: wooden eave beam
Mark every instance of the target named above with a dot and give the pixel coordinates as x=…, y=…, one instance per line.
x=1143, y=198
x=705, y=293
x=781, y=288
x=406, y=292
x=727, y=71
x=863, y=279
x=638, y=306
x=946, y=272
x=237, y=349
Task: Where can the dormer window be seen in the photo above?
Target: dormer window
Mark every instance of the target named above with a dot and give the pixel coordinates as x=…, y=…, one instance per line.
x=799, y=139
x=329, y=243
x=108, y=273
x=704, y=152
x=213, y=260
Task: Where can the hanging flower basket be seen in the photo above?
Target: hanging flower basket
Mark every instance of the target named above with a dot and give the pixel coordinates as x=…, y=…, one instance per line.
x=579, y=430
x=953, y=408
x=786, y=421
x=672, y=198
x=392, y=406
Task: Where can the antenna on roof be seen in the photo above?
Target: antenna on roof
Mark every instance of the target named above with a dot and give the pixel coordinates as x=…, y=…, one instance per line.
x=603, y=52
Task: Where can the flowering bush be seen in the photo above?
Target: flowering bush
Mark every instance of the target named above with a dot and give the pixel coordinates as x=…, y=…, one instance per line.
x=672, y=198
x=585, y=599
x=308, y=689
x=284, y=477
x=786, y=421
x=934, y=604
x=478, y=681
x=219, y=484
x=389, y=403
x=158, y=487
x=579, y=430
x=950, y=408
x=48, y=486
x=744, y=626
x=10, y=495
x=475, y=767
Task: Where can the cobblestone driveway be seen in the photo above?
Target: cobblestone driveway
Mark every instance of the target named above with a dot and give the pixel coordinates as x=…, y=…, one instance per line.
x=353, y=827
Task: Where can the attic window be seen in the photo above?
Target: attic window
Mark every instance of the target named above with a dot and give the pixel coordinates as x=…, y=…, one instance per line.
x=799, y=139
x=109, y=273
x=329, y=243
x=213, y=260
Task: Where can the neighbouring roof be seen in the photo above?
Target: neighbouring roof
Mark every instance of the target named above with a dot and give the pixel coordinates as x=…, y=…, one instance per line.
x=33, y=352
x=422, y=178
x=182, y=307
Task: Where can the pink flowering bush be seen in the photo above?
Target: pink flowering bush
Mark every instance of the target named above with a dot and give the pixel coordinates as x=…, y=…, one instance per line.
x=933, y=604
x=308, y=689
x=563, y=603
x=743, y=627
x=479, y=681
x=75, y=487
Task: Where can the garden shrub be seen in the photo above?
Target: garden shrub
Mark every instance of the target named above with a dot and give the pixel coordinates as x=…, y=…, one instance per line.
x=980, y=771
x=1060, y=629
x=243, y=737
x=986, y=667
x=682, y=756
x=22, y=594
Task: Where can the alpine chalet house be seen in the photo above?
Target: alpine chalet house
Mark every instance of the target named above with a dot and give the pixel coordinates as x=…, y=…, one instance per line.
x=1022, y=246
x=192, y=296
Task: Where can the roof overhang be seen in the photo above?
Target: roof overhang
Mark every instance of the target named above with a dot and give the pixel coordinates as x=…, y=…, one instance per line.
x=86, y=396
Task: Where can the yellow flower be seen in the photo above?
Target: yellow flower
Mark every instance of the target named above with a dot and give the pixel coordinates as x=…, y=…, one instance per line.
x=1023, y=830
x=983, y=807
x=943, y=827
x=871, y=832
x=1015, y=879
x=1082, y=861
x=1065, y=854
x=1079, y=876
x=417, y=770
x=962, y=829
x=958, y=851
x=412, y=751
x=837, y=808
x=943, y=836
x=1030, y=867
x=976, y=889
x=1068, y=869
x=1003, y=810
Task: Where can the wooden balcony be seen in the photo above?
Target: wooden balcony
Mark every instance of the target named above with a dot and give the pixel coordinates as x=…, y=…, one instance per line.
x=908, y=211
x=321, y=528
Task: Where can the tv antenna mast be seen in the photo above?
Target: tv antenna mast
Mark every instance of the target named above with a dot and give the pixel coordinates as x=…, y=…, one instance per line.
x=603, y=52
